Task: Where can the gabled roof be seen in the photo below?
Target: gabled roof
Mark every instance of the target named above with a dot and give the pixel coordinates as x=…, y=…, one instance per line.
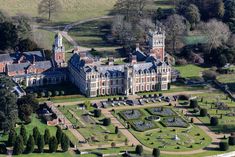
x=24, y=66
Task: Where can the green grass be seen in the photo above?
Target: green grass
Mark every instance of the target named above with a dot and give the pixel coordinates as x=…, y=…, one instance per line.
x=190, y=70
x=72, y=10
x=93, y=128
x=45, y=39
x=152, y=138
x=227, y=79
x=194, y=39
x=226, y=123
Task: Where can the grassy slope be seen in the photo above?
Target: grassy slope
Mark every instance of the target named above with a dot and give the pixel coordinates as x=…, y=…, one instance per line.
x=73, y=10
x=190, y=71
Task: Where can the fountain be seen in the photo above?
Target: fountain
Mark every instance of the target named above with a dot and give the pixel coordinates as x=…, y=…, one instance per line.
x=176, y=138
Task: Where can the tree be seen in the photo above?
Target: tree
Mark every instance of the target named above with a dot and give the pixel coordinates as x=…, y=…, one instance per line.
x=203, y=112
x=26, y=106
x=156, y=152
x=217, y=33
x=193, y=103
x=11, y=138
x=23, y=133
x=35, y=134
x=222, y=60
x=192, y=14
x=27, y=45
x=9, y=35
x=49, y=7
x=23, y=27
x=116, y=130
x=175, y=26
x=106, y=121
x=47, y=136
x=42, y=94
x=8, y=109
x=30, y=144
x=53, y=144
x=18, y=146
x=231, y=140
x=214, y=121
x=56, y=93
x=223, y=146
x=113, y=144
x=49, y=93
x=139, y=149
x=87, y=104
x=218, y=9
x=97, y=112
x=40, y=143
x=132, y=10
x=59, y=134
x=64, y=142
x=229, y=10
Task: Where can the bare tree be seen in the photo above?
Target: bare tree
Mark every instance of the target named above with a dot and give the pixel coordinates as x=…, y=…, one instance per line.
x=132, y=9
x=175, y=26
x=49, y=7
x=217, y=33
x=128, y=33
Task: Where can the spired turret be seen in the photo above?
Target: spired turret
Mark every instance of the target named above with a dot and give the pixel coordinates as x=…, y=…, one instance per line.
x=58, y=40
x=58, y=51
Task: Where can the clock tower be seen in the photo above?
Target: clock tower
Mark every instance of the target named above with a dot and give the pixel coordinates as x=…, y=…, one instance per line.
x=58, y=51
x=157, y=43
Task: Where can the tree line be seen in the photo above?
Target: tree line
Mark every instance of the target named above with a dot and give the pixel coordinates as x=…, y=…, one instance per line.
x=213, y=19
x=24, y=143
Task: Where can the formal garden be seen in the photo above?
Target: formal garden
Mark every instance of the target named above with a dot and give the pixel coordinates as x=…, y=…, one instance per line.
x=93, y=126
x=217, y=106
x=163, y=127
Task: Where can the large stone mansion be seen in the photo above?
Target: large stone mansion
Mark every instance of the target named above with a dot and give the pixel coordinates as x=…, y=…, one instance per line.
x=146, y=71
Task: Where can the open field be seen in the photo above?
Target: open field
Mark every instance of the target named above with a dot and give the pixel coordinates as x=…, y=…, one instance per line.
x=190, y=70
x=227, y=79
x=72, y=10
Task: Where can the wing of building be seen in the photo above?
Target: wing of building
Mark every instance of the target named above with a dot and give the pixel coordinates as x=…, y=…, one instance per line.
x=33, y=69
x=145, y=72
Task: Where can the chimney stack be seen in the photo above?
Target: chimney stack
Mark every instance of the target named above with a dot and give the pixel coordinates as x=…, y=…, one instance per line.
x=133, y=59
x=110, y=61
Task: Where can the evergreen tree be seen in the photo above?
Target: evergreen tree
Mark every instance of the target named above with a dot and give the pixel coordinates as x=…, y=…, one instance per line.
x=18, y=146
x=53, y=144
x=64, y=142
x=156, y=152
x=116, y=130
x=30, y=144
x=35, y=134
x=58, y=134
x=47, y=136
x=23, y=133
x=11, y=138
x=40, y=143
x=139, y=149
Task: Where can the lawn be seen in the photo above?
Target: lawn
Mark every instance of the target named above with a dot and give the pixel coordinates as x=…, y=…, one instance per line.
x=226, y=122
x=194, y=39
x=92, y=127
x=72, y=10
x=190, y=70
x=228, y=79
x=191, y=138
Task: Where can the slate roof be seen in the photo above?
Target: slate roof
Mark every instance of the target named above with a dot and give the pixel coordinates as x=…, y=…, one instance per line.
x=5, y=57
x=24, y=66
x=28, y=55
